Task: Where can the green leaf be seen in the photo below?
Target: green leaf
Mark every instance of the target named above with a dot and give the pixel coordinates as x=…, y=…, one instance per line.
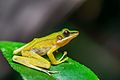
x=70, y=70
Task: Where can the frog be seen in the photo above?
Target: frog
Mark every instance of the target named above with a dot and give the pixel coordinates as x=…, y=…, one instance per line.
x=31, y=54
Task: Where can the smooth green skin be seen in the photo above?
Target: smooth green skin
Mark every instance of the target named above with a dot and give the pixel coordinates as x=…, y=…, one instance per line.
x=70, y=70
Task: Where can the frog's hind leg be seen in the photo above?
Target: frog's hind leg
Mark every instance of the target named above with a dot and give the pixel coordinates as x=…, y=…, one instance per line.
x=33, y=55
x=32, y=63
x=33, y=60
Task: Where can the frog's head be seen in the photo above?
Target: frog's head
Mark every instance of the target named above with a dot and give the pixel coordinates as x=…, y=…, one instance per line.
x=65, y=36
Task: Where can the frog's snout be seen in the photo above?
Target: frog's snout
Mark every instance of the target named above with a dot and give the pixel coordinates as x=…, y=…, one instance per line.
x=75, y=34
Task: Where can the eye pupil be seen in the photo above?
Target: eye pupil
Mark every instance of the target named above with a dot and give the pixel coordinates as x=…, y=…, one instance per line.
x=66, y=33
x=59, y=37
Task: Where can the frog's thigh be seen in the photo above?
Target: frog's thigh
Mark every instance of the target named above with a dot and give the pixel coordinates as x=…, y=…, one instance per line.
x=35, y=56
x=31, y=61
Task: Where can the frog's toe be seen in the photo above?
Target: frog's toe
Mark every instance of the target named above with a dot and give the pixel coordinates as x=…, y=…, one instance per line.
x=60, y=61
x=64, y=60
x=65, y=53
x=53, y=72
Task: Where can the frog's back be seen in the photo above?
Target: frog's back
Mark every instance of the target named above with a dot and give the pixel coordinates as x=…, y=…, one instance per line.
x=43, y=47
x=43, y=44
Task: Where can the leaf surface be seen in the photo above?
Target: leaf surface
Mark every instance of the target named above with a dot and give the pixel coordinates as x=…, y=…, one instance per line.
x=70, y=70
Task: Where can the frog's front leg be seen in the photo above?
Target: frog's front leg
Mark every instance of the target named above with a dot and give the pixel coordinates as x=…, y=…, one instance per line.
x=53, y=59
x=64, y=54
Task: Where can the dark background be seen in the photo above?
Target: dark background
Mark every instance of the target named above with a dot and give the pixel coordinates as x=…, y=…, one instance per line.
x=97, y=46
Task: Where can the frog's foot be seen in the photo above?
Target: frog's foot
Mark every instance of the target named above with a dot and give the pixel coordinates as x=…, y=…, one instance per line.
x=61, y=60
x=65, y=53
x=44, y=70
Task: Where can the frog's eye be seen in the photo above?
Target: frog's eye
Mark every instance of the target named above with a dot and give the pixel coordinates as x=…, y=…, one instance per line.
x=59, y=37
x=66, y=33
